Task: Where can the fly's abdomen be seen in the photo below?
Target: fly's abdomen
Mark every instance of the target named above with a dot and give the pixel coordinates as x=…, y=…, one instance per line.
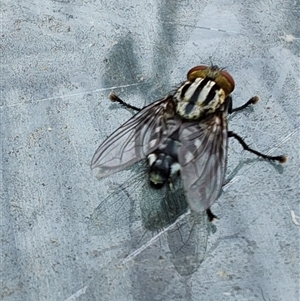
x=197, y=98
x=164, y=162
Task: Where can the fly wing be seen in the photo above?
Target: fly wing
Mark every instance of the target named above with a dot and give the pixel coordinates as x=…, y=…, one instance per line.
x=136, y=138
x=202, y=156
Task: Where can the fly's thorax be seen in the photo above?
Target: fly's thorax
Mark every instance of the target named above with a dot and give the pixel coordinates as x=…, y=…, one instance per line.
x=197, y=98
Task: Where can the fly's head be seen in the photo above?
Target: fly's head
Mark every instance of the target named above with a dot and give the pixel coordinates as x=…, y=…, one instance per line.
x=203, y=93
x=216, y=74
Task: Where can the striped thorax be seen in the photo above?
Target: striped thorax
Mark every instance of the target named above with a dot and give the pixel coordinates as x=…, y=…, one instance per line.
x=203, y=93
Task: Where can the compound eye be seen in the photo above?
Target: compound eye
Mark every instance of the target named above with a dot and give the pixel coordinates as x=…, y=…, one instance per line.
x=198, y=71
x=220, y=76
x=228, y=78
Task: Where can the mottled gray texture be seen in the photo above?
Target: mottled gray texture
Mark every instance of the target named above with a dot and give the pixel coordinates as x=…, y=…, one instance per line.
x=64, y=234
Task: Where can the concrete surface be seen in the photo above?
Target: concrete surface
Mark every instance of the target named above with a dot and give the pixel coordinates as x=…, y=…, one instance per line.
x=67, y=236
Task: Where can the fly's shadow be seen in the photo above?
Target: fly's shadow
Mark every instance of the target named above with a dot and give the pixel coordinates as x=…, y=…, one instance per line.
x=136, y=212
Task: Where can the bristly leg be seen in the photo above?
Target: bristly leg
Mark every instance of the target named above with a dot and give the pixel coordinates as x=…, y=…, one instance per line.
x=114, y=98
x=281, y=159
x=253, y=100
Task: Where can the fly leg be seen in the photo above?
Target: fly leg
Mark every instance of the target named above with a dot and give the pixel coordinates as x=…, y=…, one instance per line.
x=253, y=100
x=281, y=159
x=114, y=98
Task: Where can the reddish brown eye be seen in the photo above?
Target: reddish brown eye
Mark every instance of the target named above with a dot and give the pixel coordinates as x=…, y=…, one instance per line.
x=197, y=71
x=221, y=77
x=228, y=77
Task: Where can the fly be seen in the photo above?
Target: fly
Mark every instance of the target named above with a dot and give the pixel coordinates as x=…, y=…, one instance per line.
x=184, y=133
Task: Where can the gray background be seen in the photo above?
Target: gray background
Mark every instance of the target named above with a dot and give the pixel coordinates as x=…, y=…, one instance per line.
x=64, y=234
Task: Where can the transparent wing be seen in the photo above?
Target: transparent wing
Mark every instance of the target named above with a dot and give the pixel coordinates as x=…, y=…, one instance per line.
x=136, y=138
x=202, y=157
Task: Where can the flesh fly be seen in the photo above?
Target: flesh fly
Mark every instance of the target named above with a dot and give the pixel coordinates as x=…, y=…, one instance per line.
x=185, y=133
